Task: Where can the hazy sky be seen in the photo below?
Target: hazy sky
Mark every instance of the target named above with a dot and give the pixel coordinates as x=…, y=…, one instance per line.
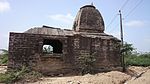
x=21, y=15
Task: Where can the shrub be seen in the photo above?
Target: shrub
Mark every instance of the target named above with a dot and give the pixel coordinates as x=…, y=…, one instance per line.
x=7, y=77
x=4, y=57
x=138, y=59
x=23, y=75
x=87, y=63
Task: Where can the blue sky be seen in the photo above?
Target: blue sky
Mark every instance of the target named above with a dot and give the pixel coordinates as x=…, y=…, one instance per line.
x=21, y=15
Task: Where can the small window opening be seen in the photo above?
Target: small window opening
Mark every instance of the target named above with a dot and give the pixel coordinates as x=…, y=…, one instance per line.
x=47, y=49
x=52, y=46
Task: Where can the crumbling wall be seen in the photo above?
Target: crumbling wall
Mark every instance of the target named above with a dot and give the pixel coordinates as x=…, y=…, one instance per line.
x=53, y=65
x=105, y=51
x=108, y=53
x=26, y=50
x=22, y=49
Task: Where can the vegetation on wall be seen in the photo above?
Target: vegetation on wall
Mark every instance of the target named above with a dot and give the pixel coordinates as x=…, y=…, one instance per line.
x=87, y=63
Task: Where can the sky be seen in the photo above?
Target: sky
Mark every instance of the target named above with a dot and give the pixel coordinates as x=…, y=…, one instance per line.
x=21, y=15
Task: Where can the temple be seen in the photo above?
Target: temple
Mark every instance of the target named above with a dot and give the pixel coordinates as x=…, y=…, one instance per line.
x=58, y=51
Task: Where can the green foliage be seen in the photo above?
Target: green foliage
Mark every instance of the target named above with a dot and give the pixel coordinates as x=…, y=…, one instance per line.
x=135, y=59
x=138, y=59
x=23, y=75
x=127, y=49
x=4, y=57
x=7, y=77
x=87, y=63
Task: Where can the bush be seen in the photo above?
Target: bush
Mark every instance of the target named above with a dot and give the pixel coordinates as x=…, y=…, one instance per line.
x=8, y=77
x=23, y=75
x=4, y=57
x=138, y=59
x=87, y=64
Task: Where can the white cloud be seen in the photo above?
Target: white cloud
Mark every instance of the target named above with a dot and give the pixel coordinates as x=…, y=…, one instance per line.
x=4, y=6
x=135, y=24
x=62, y=18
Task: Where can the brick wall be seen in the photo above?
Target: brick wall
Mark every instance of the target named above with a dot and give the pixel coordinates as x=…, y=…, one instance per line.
x=26, y=50
x=107, y=51
x=22, y=48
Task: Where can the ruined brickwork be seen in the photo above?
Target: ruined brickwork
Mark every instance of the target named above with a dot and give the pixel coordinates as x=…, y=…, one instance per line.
x=86, y=38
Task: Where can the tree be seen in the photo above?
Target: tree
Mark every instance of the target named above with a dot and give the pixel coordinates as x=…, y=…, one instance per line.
x=127, y=49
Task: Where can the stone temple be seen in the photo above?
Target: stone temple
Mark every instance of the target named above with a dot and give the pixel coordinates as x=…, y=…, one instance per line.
x=58, y=51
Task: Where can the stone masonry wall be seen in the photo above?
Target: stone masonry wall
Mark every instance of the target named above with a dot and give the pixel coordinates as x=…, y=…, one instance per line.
x=22, y=49
x=26, y=50
x=106, y=51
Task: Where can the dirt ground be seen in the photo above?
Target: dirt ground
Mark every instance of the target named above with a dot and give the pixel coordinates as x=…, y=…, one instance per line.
x=140, y=75
x=3, y=69
x=134, y=75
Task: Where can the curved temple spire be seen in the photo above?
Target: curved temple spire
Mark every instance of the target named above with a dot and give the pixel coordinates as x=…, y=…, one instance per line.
x=89, y=19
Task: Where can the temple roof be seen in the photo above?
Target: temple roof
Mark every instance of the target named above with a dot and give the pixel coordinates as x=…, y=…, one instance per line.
x=89, y=19
x=50, y=31
x=46, y=30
